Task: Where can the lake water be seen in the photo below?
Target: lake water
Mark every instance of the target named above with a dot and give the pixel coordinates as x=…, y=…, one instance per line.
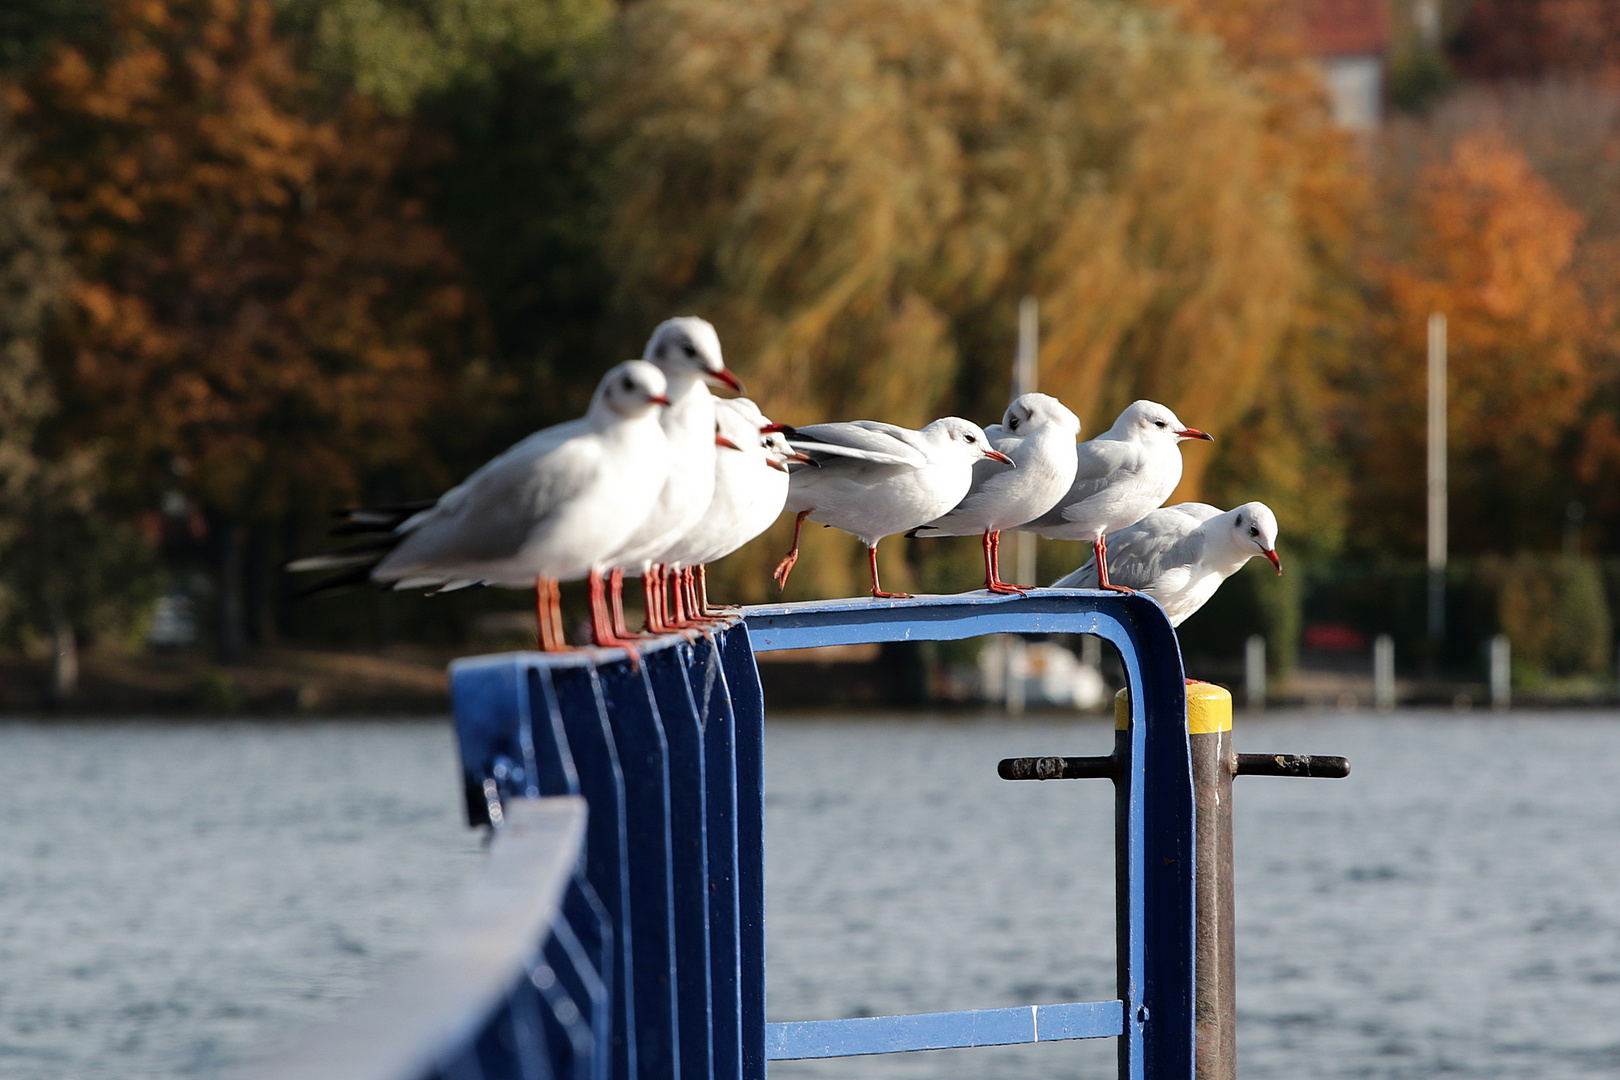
x=174, y=895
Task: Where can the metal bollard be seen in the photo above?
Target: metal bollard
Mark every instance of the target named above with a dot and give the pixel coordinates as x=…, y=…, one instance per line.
x=1209, y=738
x=1214, y=764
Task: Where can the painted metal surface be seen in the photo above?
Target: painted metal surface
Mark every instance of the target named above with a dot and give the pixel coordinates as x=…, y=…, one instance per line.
x=669, y=755
x=513, y=985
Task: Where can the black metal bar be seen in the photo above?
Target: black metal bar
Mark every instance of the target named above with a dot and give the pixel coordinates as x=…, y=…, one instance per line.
x=1057, y=768
x=1317, y=765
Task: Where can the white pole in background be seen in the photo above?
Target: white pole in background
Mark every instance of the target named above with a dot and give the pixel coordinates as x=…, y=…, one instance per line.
x=1437, y=477
x=1254, y=672
x=1384, y=673
x=1026, y=372
x=1501, y=672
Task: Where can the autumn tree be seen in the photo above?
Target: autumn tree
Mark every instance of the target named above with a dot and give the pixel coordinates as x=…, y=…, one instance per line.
x=1488, y=243
x=1535, y=39
x=261, y=308
x=66, y=565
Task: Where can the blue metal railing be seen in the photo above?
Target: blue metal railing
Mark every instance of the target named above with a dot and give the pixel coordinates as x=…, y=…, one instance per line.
x=513, y=986
x=669, y=757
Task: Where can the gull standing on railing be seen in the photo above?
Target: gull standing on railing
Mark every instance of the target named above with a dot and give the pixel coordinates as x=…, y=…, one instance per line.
x=750, y=488
x=1037, y=433
x=873, y=480
x=1180, y=555
x=552, y=508
x=687, y=351
x=1120, y=475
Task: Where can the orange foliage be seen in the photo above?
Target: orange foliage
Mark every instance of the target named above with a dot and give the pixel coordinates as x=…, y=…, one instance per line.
x=1491, y=248
x=258, y=304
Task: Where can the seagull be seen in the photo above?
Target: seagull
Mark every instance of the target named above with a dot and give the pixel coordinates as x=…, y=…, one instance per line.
x=874, y=480
x=1038, y=434
x=1180, y=555
x=687, y=351
x=552, y=508
x=1121, y=474
x=750, y=489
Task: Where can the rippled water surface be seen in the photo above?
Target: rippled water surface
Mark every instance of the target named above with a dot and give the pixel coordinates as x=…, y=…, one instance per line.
x=172, y=896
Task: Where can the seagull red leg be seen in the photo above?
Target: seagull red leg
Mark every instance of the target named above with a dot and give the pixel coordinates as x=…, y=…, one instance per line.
x=785, y=567
x=877, y=590
x=697, y=604
x=621, y=629
x=992, y=565
x=556, y=613
x=1099, y=550
x=548, y=616
x=723, y=613
x=652, y=598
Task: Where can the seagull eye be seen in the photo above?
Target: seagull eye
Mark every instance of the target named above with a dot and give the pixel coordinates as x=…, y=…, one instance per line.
x=1013, y=424
x=1253, y=531
x=969, y=438
x=689, y=349
x=1160, y=423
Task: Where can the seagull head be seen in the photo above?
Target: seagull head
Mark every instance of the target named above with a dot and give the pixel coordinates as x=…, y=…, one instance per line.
x=1154, y=424
x=1254, y=532
x=687, y=347
x=964, y=438
x=1031, y=412
x=631, y=389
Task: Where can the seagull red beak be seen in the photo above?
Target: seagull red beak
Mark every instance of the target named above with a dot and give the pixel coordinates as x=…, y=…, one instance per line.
x=1194, y=433
x=997, y=455
x=721, y=440
x=778, y=429
x=724, y=377
x=777, y=465
x=659, y=400
x=1276, y=560
x=802, y=459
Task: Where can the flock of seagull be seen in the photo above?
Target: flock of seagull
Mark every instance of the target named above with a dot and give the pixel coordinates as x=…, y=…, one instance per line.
x=660, y=477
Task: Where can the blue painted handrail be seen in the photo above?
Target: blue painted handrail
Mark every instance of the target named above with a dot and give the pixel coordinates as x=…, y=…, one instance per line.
x=514, y=978
x=669, y=756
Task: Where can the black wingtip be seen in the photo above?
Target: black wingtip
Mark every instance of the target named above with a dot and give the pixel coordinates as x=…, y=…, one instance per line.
x=360, y=575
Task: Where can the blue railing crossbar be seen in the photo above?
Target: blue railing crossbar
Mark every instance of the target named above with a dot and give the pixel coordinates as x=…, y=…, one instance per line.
x=669, y=756
x=943, y=1030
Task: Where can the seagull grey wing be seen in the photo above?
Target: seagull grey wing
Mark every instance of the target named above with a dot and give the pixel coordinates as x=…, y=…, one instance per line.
x=501, y=506
x=1099, y=463
x=860, y=440
x=530, y=449
x=1140, y=554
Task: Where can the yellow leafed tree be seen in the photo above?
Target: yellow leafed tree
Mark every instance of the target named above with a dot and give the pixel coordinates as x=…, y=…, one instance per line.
x=858, y=193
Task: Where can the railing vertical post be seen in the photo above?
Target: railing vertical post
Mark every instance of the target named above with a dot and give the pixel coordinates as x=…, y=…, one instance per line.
x=713, y=700
x=1156, y=860
x=748, y=708
x=1209, y=734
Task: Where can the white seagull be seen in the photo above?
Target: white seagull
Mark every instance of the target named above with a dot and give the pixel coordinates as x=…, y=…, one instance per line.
x=873, y=480
x=1180, y=555
x=552, y=508
x=687, y=351
x=1038, y=434
x=750, y=489
x=1120, y=475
